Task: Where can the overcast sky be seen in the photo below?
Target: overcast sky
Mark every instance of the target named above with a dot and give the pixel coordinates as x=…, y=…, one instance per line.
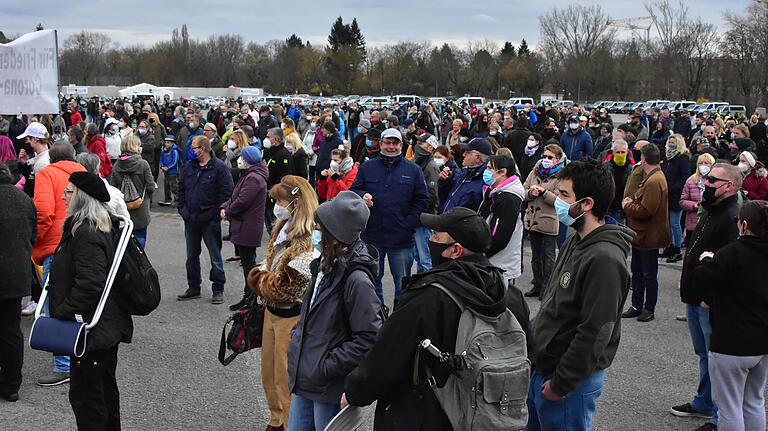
x=453, y=21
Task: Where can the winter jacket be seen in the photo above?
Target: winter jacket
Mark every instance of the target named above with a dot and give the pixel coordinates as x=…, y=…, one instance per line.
x=324, y=152
x=691, y=195
x=50, y=183
x=337, y=328
x=516, y=140
x=77, y=279
x=202, y=191
x=463, y=189
x=620, y=175
x=191, y=134
x=330, y=187
x=682, y=126
x=279, y=162
x=385, y=375
x=755, y=185
x=399, y=197
x=576, y=145
x=501, y=210
x=245, y=209
x=715, y=230
x=737, y=299
x=148, y=146
x=578, y=328
x=540, y=214
x=660, y=139
x=113, y=142
x=171, y=159
x=300, y=162
x=137, y=169
x=217, y=148
x=98, y=146
x=648, y=213
x=676, y=171
x=432, y=178
x=526, y=162
x=18, y=229
x=264, y=124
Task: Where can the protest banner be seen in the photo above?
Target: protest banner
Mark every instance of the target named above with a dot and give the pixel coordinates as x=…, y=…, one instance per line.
x=29, y=74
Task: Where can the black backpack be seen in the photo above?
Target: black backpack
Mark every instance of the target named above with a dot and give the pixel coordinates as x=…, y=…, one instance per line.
x=136, y=283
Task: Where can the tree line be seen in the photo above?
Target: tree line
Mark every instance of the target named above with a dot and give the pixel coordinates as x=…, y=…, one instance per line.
x=581, y=55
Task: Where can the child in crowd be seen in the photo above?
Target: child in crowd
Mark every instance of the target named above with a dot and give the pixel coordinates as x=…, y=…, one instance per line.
x=169, y=164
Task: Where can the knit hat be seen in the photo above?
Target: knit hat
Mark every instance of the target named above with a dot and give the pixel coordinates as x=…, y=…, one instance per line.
x=750, y=158
x=365, y=123
x=91, y=184
x=251, y=154
x=344, y=217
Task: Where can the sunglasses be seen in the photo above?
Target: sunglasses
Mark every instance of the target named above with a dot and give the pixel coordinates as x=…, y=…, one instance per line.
x=713, y=179
x=548, y=157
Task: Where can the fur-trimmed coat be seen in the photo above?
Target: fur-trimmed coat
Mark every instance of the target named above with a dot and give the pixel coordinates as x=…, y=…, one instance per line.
x=284, y=281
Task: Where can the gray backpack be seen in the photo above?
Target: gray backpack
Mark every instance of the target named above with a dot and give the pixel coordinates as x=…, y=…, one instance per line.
x=491, y=389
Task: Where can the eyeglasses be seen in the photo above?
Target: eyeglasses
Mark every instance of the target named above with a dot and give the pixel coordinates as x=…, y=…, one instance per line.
x=68, y=192
x=713, y=179
x=194, y=148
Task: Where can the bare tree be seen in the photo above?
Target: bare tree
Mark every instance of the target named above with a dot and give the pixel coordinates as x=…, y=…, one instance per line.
x=82, y=54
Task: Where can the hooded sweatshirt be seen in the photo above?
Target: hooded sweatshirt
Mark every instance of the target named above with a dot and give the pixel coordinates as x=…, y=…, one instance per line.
x=501, y=210
x=578, y=328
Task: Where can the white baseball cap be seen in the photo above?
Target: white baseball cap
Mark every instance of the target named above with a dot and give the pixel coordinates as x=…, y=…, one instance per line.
x=36, y=130
x=392, y=133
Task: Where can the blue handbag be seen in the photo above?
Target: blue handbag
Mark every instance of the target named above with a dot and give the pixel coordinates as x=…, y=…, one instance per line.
x=66, y=337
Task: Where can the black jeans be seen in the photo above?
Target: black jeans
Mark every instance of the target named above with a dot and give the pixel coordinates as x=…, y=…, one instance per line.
x=93, y=391
x=11, y=345
x=542, y=258
x=248, y=259
x=645, y=282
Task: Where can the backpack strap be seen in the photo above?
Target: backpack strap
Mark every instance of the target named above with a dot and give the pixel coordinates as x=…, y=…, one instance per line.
x=451, y=295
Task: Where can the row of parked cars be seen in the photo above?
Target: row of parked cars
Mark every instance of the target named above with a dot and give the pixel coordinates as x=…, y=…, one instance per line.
x=694, y=108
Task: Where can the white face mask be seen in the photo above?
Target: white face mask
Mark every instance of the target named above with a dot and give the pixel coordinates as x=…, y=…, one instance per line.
x=231, y=144
x=309, y=118
x=704, y=169
x=241, y=164
x=573, y=126
x=334, y=166
x=281, y=213
x=743, y=167
x=532, y=143
x=289, y=147
x=266, y=143
x=439, y=162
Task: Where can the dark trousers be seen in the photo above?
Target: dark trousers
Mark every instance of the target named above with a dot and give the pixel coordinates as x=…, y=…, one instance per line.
x=542, y=258
x=248, y=260
x=645, y=282
x=171, y=188
x=269, y=215
x=210, y=234
x=11, y=345
x=93, y=391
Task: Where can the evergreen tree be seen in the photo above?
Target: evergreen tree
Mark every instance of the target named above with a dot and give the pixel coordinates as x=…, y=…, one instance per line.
x=357, y=38
x=524, y=51
x=294, y=41
x=508, y=50
x=340, y=35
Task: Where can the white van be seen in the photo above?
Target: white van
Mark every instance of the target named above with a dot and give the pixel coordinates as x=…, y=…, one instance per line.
x=469, y=100
x=405, y=99
x=269, y=100
x=374, y=102
x=520, y=102
x=655, y=104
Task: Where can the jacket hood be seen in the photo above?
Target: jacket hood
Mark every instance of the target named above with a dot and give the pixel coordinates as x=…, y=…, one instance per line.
x=260, y=169
x=515, y=186
x=66, y=166
x=362, y=256
x=618, y=235
x=128, y=163
x=473, y=279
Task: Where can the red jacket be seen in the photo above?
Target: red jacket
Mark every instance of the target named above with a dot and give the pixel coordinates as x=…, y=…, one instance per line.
x=50, y=183
x=328, y=188
x=75, y=118
x=755, y=186
x=97, y=145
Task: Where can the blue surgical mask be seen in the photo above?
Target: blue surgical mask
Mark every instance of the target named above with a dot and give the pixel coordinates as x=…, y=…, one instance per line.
x=191, y=125
x=562, y=208
x=488, y=177
x=191, y=154
x=368, y=143
x=316, y=237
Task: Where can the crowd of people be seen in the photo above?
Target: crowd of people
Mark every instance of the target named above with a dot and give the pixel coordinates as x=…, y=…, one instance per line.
x=444, y=195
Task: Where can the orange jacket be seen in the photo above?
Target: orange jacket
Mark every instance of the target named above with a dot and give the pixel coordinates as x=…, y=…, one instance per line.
x=50, y=183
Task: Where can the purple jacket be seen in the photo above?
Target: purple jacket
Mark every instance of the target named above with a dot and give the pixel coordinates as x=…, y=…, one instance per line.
x=245, y=209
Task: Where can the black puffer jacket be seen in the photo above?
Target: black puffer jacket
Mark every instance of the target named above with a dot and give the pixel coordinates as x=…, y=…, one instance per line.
x=77, y=279
x=331, y=338
x=18, y=230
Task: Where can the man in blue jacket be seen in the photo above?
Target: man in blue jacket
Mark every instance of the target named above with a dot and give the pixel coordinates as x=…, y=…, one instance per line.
x=576, y=142
x=195, y=129
x=205, y=184
x=396, y=192
x=464, y=187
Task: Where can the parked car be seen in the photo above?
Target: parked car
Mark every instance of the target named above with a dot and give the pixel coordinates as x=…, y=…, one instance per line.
x=406, y=99
x=711, y=106
x=520, y=102
x=617, y=107
x=630, y=107
x=732, y=110
x=375, y=102
x=681, y=104
x=471, y=100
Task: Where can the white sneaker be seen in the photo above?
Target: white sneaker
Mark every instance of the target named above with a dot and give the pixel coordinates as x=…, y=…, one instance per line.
x=29, y=309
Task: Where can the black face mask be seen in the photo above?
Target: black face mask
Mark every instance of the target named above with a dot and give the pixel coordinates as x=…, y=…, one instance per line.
x=708, y=197
x=436, y=250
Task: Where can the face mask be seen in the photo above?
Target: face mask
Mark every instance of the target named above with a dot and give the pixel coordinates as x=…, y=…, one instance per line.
x=231, y=144
x=191, y=126
x=605, y=134
x=113, y=130
x=532, y=143
x=334, y=166
x=368, y=143
x=191, y=154
x=573, y=126
x=313, y=126
x=289, y=147
x=620, y=159
x=439, y=162
x=671, y=152
x=563, y=210
x=360, y=130
x=316, y=238
x=241, y=164
x=281, y=213
x=266, y=143
x=546, y=163
x=436, y=250
x=488, y=178
x=743, y=167
x=309, y=118
x=704, y=170
x=708, y=197
x=463, y=139
x=142, y=131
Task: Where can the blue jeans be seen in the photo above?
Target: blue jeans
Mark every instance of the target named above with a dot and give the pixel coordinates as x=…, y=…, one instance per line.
x=308, y=415
x=675, y=230
x=400, y=262
x=645, y=281
x=60, y=363
x=700, y=328
x=421, y=249
x=573, y=413
x=141, y=237
x=210, y=234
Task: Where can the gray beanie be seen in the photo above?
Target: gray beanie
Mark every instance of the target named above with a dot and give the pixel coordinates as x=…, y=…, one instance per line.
x=344, y=217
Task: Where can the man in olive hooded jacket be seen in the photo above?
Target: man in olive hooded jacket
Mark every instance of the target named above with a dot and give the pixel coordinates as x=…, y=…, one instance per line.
x=577, y=329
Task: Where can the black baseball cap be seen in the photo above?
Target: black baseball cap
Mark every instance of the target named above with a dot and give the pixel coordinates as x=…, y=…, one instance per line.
x=463, y=225
x=481, y=145
x=373, y=133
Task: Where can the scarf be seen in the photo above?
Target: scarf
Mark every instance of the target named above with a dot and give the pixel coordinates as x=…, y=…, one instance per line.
x=545, y=173
x=529, y=151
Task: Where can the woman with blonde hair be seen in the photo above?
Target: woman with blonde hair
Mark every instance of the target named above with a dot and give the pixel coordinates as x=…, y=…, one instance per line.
x=280, y=281
x=676, y=168
x=690, y=199
x=130, y=165
x=236, y=143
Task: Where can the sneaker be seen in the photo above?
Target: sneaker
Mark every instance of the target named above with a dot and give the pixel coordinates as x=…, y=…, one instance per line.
x=53, y=379
x=164, y=203
x=677, y=257
x=533, y=292
x=645, y=316
x=631, y=312
x=233, y=259
x=189, y=294
x=29, y=309
x=709, y=426
x=217, y=298
x=687, y=411
x=681, y=318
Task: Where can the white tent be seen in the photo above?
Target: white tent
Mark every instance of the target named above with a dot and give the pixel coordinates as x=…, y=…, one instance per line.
x=145, y=89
